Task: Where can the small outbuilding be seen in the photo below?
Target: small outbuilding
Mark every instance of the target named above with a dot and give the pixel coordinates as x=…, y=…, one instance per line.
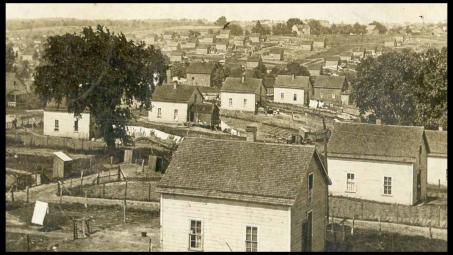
x=62, y=165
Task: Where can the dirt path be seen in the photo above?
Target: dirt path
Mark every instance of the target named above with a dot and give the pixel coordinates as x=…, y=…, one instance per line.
x=437, y=233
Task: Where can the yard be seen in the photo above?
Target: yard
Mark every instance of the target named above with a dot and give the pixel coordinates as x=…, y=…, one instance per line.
x=366, y=240
x=110, y=233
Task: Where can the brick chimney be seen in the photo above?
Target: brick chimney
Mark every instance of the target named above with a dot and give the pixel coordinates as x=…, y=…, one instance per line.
x=251, y=133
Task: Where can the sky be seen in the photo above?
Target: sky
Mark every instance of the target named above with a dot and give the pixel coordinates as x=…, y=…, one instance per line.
x=337, y=13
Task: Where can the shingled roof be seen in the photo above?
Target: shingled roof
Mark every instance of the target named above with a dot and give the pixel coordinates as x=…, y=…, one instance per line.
x=326, y=81
x=378, y=142
x=239, y=170
x=167, y=93
x=437, y=142
x=289, y=81
x=234, y=84
x=200, y=68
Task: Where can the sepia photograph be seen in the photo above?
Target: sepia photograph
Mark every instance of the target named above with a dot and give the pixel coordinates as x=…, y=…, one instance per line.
x=235, y=127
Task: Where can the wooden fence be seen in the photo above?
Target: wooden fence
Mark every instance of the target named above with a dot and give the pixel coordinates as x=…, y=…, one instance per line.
x=425, y=215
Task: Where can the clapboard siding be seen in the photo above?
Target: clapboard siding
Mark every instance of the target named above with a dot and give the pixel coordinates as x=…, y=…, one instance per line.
x=437, y=170
x=66, y=125
x=223, y=221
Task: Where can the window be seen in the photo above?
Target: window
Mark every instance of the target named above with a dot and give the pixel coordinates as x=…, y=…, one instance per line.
x=56, y=126
x=76, y=125
x=195, y=97
x=230, y=102
x=251, y=239
x=310, y=188
x=295, y=97
x=350, y=182
x=245, y=102
x=333, y=96
x=387, y=185
x=159, y=113
x=195, y=235
x=282, y=95
x=175, y=116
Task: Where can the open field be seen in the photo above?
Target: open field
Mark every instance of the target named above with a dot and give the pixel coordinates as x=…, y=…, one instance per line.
x=110, y=233
x=367, y=240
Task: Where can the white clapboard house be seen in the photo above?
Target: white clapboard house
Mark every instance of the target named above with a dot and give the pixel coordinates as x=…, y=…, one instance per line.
x=437, y=157
x=235, y=195
x=242, y=94
x=377, y=162
x=292, y=89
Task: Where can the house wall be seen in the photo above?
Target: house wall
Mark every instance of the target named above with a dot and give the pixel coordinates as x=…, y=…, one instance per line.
x=306, y=47
x=237, y=101
x=318, y=207
x=288, y=96
x=167, y=112
x=223, y=221
x=369, y=179
x=251, y=65
x=315, y=72
x=200, y=79
x=66, y=125
x=437, y=170
x=327, y=95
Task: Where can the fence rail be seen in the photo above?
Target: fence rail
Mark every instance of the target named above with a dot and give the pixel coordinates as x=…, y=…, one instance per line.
x=425, y=215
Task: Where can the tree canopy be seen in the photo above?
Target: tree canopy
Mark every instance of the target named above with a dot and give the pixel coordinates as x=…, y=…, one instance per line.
x=293, y=21
x=404, y=88
x=281, y=29
x=379, y=27
x=261, y=29
x=99, y=71
x=221, y=21
x=218, y=75
x=178, y=69
x=10, y=58
x=236, y=29
x=260, y=71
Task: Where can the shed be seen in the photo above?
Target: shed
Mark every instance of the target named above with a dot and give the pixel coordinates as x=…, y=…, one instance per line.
x=62, y=165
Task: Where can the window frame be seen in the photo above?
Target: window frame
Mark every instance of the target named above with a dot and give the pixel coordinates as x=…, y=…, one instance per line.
x=175, y=114
x=56, y=125
x=159, y=113
x=76, y=126
x=190, y=248
x=230, y=102
x=251, y=241
x=351, y=183
x=387, y=186
x=310, y=190
x=245, y=102
x=295, y=97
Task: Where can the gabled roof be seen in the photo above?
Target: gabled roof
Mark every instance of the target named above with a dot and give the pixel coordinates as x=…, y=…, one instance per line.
x=62, y=156
x=289, y=81
x=234, y=84
x=239, y=170
x=200, y=68
x=167, y=93
x=326, y=81
x=373, y=141
x=437, y=142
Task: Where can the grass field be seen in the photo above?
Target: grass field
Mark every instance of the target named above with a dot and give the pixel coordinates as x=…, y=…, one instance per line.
x=365, y=240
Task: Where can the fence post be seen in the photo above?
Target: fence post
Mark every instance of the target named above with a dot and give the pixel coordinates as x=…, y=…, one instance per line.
x=430, y=232
x=61, y=191
x=379, y=224
x=81, y=183
x=124, y=211
x=352, y=229
x=86, y=199
x=397, y=213
x=12, y=194
x=344, y=219
x=111, y=160
x=438, y=188
x=143, y=165
x=125, y=192
x=361, y=205
x=103, y=190
x=28, y=242
x=28, y=194
x=438, y=216
x=149, y=193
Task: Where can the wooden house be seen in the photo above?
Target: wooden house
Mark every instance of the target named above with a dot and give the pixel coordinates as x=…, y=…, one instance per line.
x=242, y=94
x=206, y=114
x=62, y=165
x=199, y=74
x=292, y=89
x=437, y=157
x=328, y=89
x=277, y=194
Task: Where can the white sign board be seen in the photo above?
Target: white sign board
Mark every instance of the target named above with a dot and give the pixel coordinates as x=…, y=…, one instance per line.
x=40, y=212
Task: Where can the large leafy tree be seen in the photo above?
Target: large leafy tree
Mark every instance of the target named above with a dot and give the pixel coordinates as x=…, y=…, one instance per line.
x=280, y=29
x=10, y=58
x=178, y=70
x=293, y=21
x=221, y=21
x=358, y=29
x=379, y=27
x=261, y=29
x=236, y=29
x=218, y=75
x=260, y=71
x=294, y=68
x=404, y=88
x=316, y=28
x=99, y=71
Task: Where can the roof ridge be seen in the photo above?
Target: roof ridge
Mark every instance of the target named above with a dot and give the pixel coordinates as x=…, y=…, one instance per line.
x=244, y=141
x=373, y=124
